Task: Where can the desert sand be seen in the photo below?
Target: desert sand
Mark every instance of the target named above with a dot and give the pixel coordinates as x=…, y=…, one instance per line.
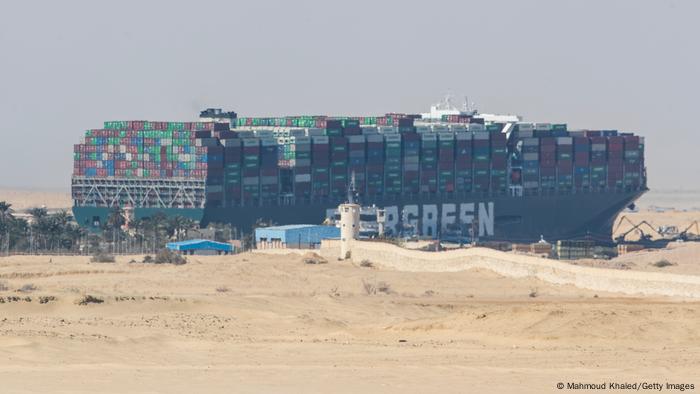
x=258, y=323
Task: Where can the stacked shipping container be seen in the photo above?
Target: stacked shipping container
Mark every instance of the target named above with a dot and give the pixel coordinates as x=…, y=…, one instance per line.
x=313, y=158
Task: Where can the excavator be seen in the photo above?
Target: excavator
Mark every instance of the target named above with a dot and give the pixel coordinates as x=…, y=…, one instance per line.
x=663, y=239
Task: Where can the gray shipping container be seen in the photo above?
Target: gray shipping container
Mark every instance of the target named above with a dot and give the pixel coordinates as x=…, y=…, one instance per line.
x=251, y=142
x=531, y=156
x=531, y=142
x=526, y=127
x=481, y=135
x=315, y=132
x=598, y=147
x=302, y=178
x=411, y=167
x=463, y=136
x=268, y=180
x=250, y=180
x=356, y=139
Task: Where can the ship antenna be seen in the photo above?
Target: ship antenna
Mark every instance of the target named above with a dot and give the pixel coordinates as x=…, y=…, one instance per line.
x=351, y=188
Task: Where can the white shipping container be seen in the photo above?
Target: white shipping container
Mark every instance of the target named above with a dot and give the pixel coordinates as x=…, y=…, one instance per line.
x=423, y=129
x=319, y=140
x=429, y=137
x=302, y=178
x=543, y=126
x=526, y=134
x=105, y=156
x=387, y=130
x=375, y=138
x=440, y=129
x=458, y=127
x=476, y=127
x=356, y=139
x=139, y=172
x=565, y=140
x=392, y=138
x=128, y=157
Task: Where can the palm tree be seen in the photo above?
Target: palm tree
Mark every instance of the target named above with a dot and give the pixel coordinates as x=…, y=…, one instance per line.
x=177, y=226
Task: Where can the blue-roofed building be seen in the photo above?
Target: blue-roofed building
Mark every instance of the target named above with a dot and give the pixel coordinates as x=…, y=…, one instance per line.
x=200, y=246
x=303, y=236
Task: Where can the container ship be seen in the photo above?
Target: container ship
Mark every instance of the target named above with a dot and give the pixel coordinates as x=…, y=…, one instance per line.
x=449, y=170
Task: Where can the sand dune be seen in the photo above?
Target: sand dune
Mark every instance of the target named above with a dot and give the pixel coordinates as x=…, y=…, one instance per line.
x=255, y=323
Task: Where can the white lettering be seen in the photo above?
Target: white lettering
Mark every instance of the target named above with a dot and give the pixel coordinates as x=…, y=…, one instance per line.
x=448, y=216
x=486, y=219
x=466, y=213
x=429, y=225
x=391, y=219
x=411, y=214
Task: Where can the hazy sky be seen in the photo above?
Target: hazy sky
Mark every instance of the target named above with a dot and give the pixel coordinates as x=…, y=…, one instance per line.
x=67, y=66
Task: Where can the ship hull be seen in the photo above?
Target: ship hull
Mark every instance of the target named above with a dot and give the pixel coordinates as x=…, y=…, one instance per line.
x=506, y=218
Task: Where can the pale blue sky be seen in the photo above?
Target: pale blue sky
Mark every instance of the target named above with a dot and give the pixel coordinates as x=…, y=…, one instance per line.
x=64, y=68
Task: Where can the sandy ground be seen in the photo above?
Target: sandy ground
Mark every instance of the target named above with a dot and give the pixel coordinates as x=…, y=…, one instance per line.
x=255, y=323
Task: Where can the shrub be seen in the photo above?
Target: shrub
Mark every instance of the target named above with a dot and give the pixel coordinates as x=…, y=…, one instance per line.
x=533, y=293
x=313, y=258
x=3, y=286
x=384, y=287
x=102, y=257
x=662, y=263
x=366, y=263
x=167, y=256
x=369, y=288
x=88, y=299
x=27, y=288
x=222, y=289
x=147, y=258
